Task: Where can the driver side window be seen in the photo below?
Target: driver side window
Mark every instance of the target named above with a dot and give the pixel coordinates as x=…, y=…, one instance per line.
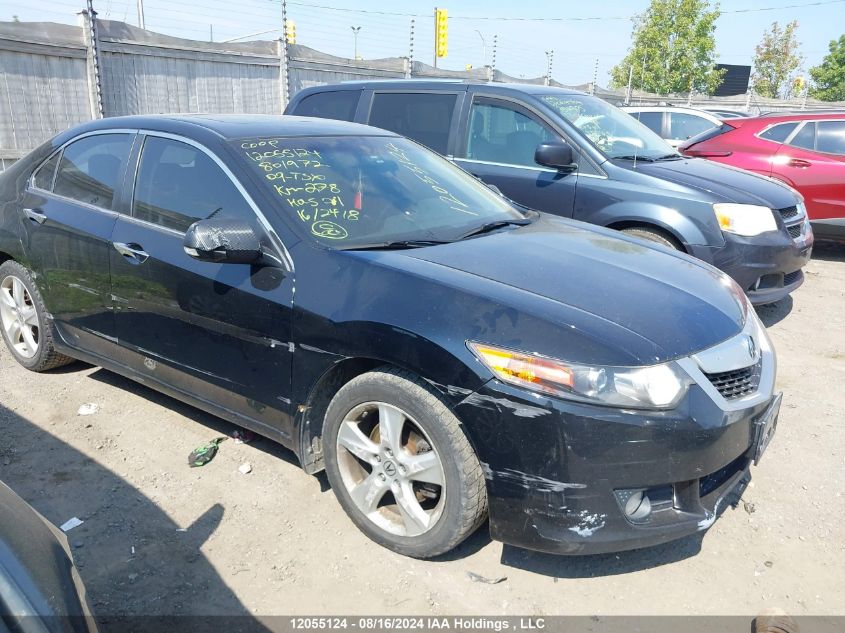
x=501, y=134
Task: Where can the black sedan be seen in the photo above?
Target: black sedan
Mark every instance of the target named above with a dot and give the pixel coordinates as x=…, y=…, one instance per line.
x=440, y=352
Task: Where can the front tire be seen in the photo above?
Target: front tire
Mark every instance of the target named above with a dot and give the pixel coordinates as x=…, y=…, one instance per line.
x=653, y=235
x=23, y=320
x=400, y=465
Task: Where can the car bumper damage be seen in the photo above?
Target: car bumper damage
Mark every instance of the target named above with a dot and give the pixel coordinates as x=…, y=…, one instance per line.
x=572, y=478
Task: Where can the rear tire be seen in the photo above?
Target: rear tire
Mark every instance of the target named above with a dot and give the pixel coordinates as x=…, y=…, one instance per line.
x=23, y=321
x=400, y=465
x=653, y=235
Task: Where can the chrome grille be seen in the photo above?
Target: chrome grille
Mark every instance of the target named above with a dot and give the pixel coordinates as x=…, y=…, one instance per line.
x=794, y=230
x=737, y=382
x=788, y=212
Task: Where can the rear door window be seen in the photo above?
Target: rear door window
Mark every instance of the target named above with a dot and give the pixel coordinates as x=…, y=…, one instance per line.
x=779, y=133
x=652, y=120
x=500, y=133
x=92, y=167
x=830, y=137
x=178, y=184
x=806, y=137
x=340, y=105
x=43, y=178
x=423, y=117
x=683, y=125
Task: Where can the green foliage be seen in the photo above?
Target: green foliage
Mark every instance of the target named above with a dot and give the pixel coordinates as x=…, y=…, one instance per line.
x=673, y=49
x=829, y=76
x=776, y=62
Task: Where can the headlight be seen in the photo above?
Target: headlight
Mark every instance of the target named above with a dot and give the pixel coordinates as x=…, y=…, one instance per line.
x=652, y=387
x=745, y=219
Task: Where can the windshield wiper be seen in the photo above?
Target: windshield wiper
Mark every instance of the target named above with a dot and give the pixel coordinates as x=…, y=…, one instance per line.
x=492, y=226
x=391, y=246
x=672, y=156
x=647, y=159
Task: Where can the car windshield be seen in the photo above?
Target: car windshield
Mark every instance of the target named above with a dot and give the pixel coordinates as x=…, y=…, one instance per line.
x=616, y=133
x=354, y=191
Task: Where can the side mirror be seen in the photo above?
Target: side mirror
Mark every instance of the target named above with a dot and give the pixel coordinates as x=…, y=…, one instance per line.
x=555, y=154
x=223, y=240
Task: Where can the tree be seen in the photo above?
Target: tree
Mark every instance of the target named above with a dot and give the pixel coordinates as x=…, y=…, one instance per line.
x=776, y=61
x=829, y=76
x=673, y=49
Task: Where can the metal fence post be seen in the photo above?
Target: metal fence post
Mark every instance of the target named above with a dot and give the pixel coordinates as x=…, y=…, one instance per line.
x=284, y=76
x=92, y=44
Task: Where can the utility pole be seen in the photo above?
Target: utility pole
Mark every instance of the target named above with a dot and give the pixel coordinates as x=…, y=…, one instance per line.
x=283, y=58
x=495, y=44
x=595, y=77
x=210, y=32
x=355, y=31
x=630, y=86
x=410, y=52
x=549, y=59
x=141, y=14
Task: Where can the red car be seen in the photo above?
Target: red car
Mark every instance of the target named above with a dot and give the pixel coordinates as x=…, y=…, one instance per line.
x=806, y=150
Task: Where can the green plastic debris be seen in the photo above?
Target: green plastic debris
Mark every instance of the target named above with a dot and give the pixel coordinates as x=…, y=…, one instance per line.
x=205, y=453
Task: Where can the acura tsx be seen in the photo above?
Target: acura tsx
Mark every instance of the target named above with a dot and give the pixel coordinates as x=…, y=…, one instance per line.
x=442, y=353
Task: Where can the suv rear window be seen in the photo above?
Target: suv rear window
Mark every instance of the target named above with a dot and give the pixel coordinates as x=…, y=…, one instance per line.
x=423, y=117
x=340, y=105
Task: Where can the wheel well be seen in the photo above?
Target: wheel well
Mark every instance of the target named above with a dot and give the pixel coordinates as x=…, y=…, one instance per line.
x=313, y=415
x=636, y=224
x=4, y=257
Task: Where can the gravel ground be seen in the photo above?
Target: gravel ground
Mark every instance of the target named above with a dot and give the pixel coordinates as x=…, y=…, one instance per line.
x=160, y=538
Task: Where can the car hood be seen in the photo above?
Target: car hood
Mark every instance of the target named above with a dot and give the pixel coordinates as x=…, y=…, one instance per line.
x=573, y=291
x=725, y=183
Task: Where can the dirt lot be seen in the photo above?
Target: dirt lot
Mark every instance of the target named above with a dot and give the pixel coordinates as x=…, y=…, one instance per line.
x=160, y=538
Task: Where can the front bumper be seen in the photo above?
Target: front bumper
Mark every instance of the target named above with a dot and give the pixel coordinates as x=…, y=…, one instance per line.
x=767, y=267
x=559, y=472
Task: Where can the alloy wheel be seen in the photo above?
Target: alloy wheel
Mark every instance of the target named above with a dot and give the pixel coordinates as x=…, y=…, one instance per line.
x=391, y=469
x=18, y=317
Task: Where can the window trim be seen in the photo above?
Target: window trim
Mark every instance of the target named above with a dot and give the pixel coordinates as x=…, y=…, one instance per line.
x=275, y=240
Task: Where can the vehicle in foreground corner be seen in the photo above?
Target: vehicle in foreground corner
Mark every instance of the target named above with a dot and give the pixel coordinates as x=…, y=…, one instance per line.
x=806, y=150
x=440, y=352
x=40, y=588
x=575, y=155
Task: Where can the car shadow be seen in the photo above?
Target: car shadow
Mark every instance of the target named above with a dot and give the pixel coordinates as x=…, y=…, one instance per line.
x=773, y=313
x=829, y=251
x=163, y=577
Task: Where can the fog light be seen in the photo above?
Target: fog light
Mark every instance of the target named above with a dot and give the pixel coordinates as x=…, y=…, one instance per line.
x=638, y=506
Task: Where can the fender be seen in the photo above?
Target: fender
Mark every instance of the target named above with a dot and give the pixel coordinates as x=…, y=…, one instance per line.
x=676, y=223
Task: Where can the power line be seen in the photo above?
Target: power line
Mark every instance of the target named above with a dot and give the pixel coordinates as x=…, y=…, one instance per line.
x=550, y=19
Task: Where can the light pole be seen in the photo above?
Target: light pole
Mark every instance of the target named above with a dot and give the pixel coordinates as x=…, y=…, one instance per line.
x=355, y=30
x=483, y=46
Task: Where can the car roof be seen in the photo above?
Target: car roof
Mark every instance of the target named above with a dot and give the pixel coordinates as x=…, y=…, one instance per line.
x=230, y=126
x=444, y=84
x=802, y=115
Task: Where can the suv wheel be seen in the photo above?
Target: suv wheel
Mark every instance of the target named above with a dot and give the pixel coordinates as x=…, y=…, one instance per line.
x=22, y=320
x=653, y=235
x=400, y=465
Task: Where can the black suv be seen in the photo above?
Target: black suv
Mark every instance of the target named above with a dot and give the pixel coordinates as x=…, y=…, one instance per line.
x=597, y=164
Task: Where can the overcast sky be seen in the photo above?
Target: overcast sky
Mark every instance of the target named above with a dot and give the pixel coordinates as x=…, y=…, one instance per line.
x=579, y=33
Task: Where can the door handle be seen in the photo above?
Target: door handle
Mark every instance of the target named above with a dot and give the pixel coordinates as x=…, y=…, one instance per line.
x=132, y=252
x=799, y=162
x=36, y=215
